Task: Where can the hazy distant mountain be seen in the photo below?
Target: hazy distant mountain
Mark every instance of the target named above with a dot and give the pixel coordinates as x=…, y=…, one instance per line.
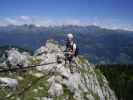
x=97, y=44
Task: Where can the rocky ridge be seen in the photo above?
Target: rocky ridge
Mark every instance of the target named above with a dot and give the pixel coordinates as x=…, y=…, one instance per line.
x=53, y=81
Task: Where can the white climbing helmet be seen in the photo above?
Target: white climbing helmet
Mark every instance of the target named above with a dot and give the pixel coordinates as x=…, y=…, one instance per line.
x=70, y=36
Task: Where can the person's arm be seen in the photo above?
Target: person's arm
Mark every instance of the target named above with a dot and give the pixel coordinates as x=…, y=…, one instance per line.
x=74, y=49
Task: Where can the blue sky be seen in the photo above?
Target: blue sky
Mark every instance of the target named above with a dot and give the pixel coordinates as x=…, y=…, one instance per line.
x=104, y=13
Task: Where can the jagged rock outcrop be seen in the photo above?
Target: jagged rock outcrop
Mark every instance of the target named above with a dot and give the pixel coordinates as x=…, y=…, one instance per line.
x=15, y=59
x=85, y=83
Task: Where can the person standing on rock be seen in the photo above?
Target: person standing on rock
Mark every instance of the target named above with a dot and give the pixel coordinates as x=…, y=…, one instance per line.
x=71, y=49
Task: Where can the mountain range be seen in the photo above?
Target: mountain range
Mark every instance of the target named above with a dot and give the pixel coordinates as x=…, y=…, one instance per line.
x=99, y=45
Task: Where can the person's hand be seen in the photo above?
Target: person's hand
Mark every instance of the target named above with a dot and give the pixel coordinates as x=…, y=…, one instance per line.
x=70, y=53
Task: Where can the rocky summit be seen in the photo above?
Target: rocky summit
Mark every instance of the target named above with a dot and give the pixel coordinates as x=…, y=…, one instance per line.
x=42, y=77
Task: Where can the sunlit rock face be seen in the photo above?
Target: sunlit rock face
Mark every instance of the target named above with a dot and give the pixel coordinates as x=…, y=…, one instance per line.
x=57, y=81
x=85, y=83
x=8, y=82
x=14, y=58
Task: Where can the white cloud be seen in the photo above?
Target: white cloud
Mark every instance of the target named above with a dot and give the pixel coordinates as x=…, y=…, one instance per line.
x=43, y=21
x=112, y=23
x=25, y=17
x=10, y=21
